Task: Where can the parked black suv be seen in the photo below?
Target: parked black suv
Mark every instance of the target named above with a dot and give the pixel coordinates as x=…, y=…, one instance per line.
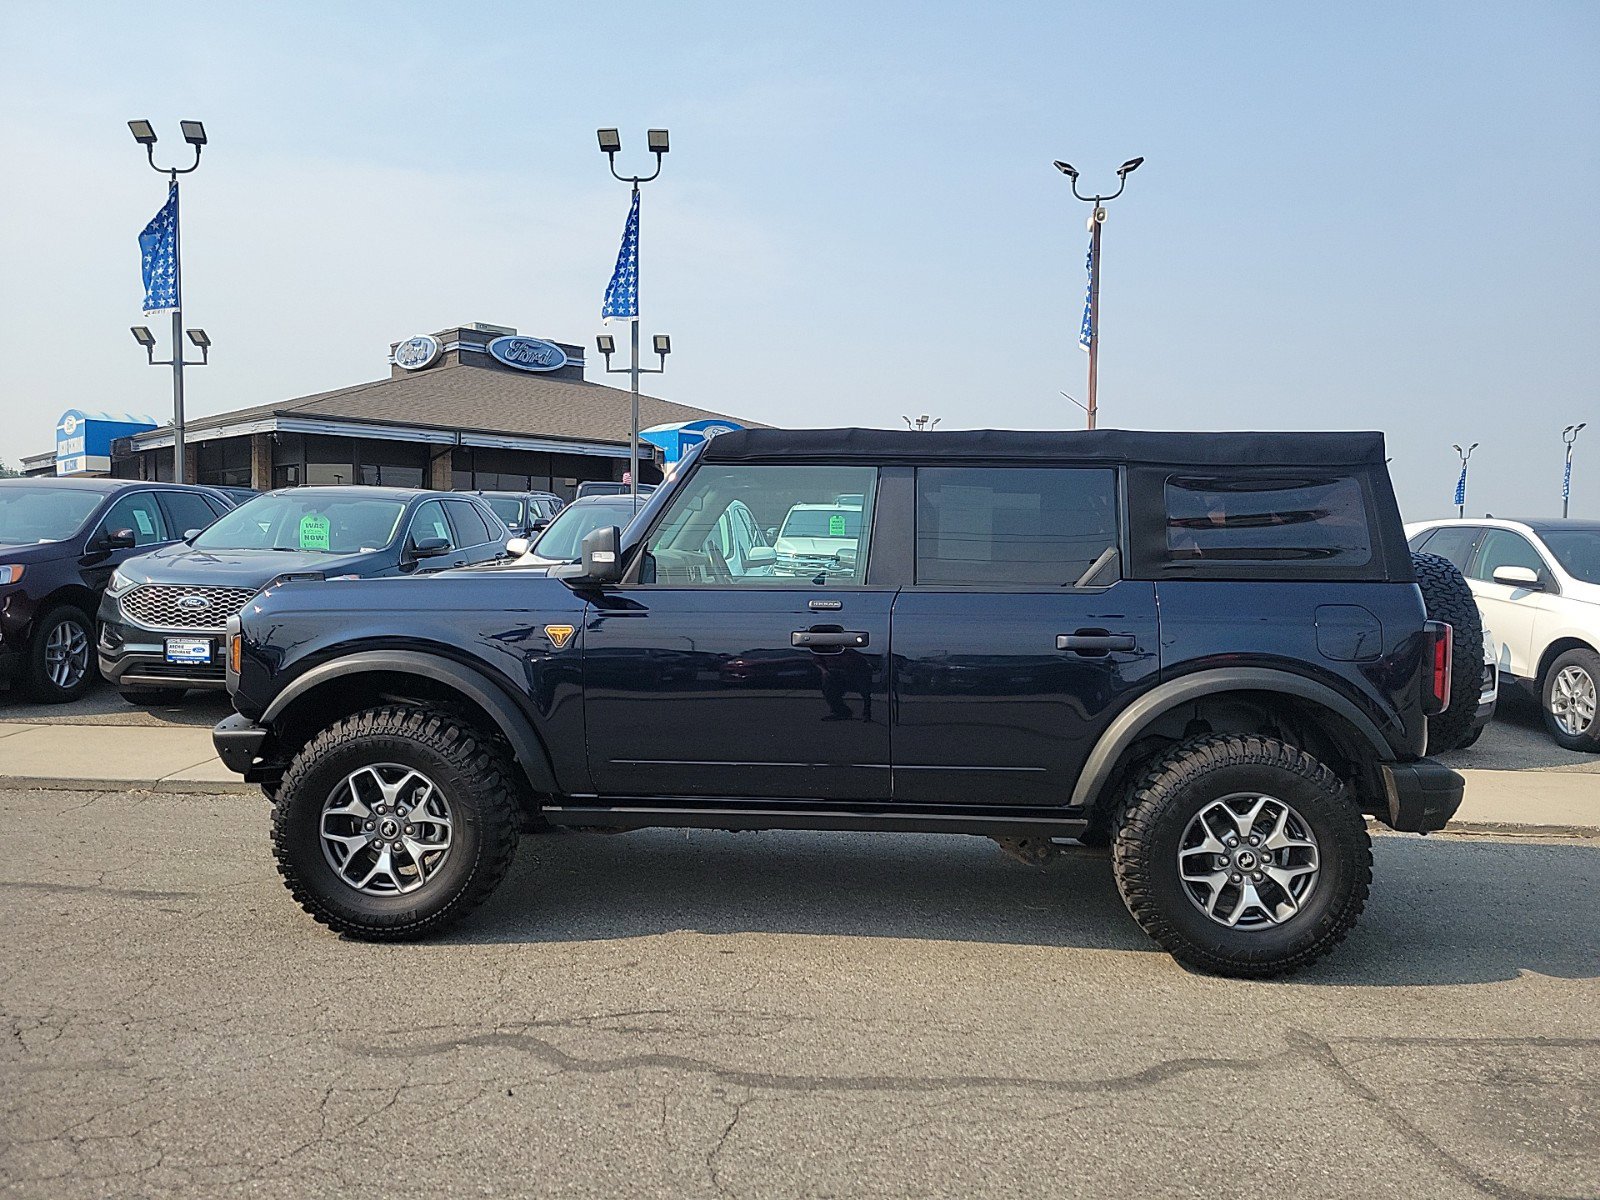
x=60, y=540
x=1209, y=650
x=162, y=616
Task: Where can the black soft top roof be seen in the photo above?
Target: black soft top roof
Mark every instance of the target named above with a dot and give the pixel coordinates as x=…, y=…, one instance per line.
x=1014, y=445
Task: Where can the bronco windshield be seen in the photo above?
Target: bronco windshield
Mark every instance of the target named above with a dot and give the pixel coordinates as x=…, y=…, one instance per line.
x=1577, y=550
x=305, y=521
x=43, y=514
x=563, y=539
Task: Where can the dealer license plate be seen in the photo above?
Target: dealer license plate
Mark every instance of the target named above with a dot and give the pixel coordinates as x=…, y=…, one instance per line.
x=188, y=650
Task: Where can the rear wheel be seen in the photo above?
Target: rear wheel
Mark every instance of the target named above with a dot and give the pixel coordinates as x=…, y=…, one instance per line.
x=1569, y=696
x=61, y=662
x=1447, y=598
x=394, y=823
x=1242, y=855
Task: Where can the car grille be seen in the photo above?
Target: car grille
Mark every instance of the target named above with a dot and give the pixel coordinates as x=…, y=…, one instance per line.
x=806, y=564
x=161, y=607
x=161, y=670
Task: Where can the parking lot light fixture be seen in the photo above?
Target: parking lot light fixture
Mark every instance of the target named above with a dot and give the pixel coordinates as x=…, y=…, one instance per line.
x=193, y=132
x=610, y=141
x=607, y=345
x=200, y=338
x=663, y=344
x=142, y=335
x=657, y=140
x=143, y=132
x=1067, y=169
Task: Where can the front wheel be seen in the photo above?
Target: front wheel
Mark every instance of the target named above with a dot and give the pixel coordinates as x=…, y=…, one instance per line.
x=1243, y=856
x=394, y=823
x=1571, y=713
x=61, y=663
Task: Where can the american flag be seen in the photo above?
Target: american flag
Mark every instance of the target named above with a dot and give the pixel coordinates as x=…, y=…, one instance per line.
x=622, y=294
x=158, y=248
x=1461, y=488
x=1086, y=330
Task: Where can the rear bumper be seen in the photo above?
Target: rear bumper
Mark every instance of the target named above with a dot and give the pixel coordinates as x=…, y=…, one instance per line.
x=238, y=741
x=1422, y=796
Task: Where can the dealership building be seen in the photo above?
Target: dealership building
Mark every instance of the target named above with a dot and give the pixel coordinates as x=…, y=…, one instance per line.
x=478, y=406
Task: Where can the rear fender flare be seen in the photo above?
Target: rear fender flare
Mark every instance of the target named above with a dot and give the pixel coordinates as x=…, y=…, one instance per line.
x=1126, y=729
x=511, y=722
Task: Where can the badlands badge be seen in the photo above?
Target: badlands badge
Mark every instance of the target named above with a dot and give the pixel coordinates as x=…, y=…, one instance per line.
x=559, y=635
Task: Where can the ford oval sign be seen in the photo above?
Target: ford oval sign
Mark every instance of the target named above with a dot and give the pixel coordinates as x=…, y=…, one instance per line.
x=528, y=354
x=415, y=353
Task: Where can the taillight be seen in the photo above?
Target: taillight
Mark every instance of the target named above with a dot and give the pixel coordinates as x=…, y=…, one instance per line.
x=1442, y=662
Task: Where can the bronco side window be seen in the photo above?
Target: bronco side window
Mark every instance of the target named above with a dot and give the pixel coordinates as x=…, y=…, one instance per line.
x=1282, y=519
x=765, y=525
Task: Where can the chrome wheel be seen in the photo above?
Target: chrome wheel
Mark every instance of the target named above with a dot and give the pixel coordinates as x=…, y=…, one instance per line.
x=1248, y=861
x=386, y=829
x=66, y=654
x=1572, y=700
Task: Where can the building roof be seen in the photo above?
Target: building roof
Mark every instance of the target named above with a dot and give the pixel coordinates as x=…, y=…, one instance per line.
x=461, y=396
x=1097, y=445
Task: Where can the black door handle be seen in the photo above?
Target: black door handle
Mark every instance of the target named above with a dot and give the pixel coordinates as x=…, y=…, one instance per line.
x=1094, y=643
x=811, y=639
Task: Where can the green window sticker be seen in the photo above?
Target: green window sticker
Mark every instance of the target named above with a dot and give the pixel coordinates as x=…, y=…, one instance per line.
x=313, y=532
x=836, y=525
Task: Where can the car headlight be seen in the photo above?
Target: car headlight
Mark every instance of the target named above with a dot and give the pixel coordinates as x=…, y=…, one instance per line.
x=118, y=583
x=10, y=572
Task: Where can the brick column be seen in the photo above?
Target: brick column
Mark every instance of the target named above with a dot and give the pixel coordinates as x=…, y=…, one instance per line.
x=439, y=471
x=261, y=461
x=191, y=462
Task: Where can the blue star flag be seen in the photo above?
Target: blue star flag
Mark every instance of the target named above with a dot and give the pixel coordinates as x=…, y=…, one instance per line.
x=1461, y=488
x=1086, y=330
x=158, y=250
x=622, y=294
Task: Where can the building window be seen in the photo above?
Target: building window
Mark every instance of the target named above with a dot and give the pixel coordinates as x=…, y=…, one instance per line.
x=224, y=461
x=329, y=460
x=392, y=464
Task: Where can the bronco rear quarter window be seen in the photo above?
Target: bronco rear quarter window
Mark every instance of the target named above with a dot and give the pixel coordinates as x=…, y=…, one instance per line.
x=1296, y=523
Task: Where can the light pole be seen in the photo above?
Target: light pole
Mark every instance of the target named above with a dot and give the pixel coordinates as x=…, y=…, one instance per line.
x=1461, y=484
x=1089, y=337
x=610, y=145
x=923, y=423
x=662, y=345
x=195, y=134
x=1569, y=435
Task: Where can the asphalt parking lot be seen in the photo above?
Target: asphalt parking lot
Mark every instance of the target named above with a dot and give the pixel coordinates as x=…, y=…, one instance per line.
x=766, y=1015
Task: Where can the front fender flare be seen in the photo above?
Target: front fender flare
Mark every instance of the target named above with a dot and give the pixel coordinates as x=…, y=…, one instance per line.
x=1162, y=699
x=512, y=723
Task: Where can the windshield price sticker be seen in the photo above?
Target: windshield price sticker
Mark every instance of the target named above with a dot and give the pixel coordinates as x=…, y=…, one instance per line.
x=313, y=532
x=836, y=525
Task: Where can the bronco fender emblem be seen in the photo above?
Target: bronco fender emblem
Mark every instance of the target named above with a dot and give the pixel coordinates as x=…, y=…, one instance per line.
x=559, y=635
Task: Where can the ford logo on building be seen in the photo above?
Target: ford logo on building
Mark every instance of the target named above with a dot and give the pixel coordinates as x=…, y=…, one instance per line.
x=528, y=354
x=193, y=601
x=415, y=353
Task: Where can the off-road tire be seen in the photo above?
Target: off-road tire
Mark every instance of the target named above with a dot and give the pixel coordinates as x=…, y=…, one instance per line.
x=152, y=697
x=1150, y=826
x=1447, y=598
x=1587, y=740
x=473, y=772
x=37, y=684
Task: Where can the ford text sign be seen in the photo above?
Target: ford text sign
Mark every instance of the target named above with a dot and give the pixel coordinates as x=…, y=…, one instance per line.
x=528, y=354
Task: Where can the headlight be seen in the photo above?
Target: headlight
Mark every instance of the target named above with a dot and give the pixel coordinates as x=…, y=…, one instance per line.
x=118, y=583
x=11, y=572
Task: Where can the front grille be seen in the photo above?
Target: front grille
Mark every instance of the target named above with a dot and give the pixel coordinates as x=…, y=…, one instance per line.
x=161, y=607
x=161, y=670
x=806, y=564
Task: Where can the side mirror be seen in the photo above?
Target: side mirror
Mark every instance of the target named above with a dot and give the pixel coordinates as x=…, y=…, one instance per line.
x=430, y=547
x=517, y=547
x=538, y=524
x=1518, y=577
x=189, y=535
x=760, y=556
x=601, y=562
x=772, y=533
x=119, y=539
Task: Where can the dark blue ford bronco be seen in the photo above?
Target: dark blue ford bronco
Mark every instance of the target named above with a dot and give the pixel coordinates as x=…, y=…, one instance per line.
x=1209, y=651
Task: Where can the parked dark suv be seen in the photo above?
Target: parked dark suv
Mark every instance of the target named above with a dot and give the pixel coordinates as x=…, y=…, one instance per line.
x=1209, y=650
x=162, y=617
x=60, y=540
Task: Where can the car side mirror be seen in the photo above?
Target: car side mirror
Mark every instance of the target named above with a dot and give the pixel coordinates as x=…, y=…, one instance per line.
x=119, y=539
x=538, y=524
x=1518, y=577
x=189, y=535
x=430, y=547
x=517, y=547
x=760, y=556
x=601, y=562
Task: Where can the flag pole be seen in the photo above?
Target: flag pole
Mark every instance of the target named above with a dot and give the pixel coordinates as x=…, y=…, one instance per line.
x=177, y=336
x=1095, y=222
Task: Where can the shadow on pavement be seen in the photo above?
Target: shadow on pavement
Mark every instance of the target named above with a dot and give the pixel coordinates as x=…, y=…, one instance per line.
x=1442, y=911
x=102, y=705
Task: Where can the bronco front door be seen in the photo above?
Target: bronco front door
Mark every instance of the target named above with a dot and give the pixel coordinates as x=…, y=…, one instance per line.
x=734, y=670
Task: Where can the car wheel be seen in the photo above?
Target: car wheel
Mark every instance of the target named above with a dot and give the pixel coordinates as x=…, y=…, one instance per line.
x=1446, y=597
x=394, y=823
x=61, y=662
x=1471, y=738
x=152, y=697
x=1242, y=855
x=1569, y=700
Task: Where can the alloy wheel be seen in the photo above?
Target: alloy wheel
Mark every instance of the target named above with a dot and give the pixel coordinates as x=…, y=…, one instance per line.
x=386, y=829
x=1572, y=700
x=66, y=654
x=1248, y=861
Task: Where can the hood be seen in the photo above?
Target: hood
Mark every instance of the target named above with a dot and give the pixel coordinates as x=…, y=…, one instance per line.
x=183, y=564
x=528, y=564
x=35, y=552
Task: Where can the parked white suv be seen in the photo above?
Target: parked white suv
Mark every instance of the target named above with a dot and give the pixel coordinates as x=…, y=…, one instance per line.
x=1537, y=584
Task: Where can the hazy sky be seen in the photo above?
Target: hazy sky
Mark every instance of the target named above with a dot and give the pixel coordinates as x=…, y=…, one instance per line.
x=1351, y=215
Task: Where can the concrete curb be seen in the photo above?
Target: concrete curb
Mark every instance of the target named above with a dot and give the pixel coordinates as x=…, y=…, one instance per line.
x=193, y=787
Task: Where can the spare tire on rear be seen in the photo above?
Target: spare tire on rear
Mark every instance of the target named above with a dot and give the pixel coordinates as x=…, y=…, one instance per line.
x=1447, y=598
